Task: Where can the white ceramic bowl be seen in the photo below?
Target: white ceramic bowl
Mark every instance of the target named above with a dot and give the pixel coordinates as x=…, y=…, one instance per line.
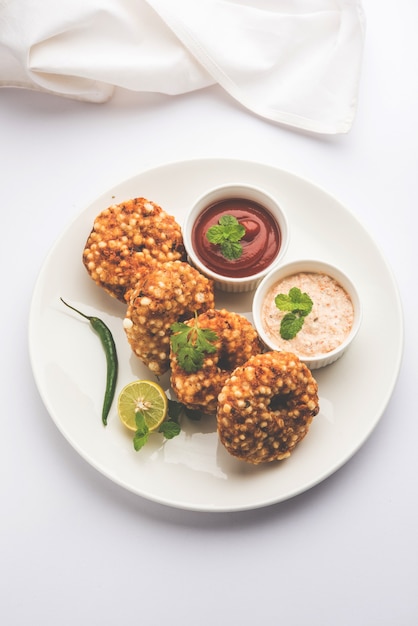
x=227, y=283
x=320, y=358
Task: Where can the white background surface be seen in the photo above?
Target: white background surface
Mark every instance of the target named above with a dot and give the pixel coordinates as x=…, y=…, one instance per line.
x=77, y=549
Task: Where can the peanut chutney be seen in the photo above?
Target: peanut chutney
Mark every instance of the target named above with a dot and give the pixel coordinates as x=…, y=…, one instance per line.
x=325, y=327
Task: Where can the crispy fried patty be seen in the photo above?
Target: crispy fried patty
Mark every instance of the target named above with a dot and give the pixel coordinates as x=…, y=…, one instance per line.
x=127, y=240
x=170, y=292
x=266, y=407
x=237, y=341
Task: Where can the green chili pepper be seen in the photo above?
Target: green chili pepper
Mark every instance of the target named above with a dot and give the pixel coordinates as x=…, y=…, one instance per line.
x=111, y=358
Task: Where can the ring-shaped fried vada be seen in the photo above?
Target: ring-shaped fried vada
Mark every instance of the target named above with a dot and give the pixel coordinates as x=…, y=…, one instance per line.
x=169, y=293
x=237, y=341
x=128, y=239
x=266, y=407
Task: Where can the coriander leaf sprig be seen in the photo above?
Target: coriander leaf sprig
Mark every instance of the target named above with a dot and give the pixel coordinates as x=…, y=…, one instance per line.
x=190, y=343
x=227, y=233
x=298, y=305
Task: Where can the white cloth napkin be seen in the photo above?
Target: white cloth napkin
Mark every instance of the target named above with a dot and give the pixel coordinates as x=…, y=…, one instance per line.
x=296, y=62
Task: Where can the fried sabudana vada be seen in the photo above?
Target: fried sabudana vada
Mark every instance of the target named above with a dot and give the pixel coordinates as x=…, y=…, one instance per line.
x=171, y=292
x=128, y=239
x=236, y=341
x=266, y=407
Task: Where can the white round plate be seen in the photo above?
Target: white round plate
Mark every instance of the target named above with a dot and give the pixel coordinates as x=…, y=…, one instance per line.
x=193, y=471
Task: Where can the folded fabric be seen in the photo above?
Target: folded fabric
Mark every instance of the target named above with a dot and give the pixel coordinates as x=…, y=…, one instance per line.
x=295, y=62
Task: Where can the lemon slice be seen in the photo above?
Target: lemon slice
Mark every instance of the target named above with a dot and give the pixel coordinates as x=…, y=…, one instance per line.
x=144, y=396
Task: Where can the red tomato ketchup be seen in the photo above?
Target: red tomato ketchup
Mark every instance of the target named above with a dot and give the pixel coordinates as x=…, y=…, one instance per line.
x=260, y=244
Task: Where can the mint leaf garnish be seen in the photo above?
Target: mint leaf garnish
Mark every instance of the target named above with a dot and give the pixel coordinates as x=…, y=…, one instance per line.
x=227, y=233
x=142, y=431
x=169, y=429
x=290, y=325
x=298, y=305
